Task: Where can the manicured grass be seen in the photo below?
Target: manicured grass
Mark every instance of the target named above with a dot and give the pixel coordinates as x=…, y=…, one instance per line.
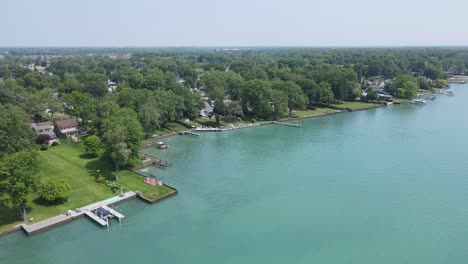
x=68, y=161
x=171, y=127
x=458, y=79
x=355, y=105
x=400, y=100
x=310, y=113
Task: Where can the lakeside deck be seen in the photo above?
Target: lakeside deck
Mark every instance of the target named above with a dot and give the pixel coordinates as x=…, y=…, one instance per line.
x=79, y=212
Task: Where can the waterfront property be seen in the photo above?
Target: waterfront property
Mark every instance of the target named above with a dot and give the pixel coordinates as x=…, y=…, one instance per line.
x=98, y=212
x=44, y=128
x=68, y=127
x=80, y=171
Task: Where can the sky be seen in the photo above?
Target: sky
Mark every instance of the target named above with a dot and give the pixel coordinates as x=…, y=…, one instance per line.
x=154, y=23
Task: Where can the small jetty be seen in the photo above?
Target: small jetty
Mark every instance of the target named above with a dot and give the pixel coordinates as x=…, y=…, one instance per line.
x=96, y=218
x=113, y=212
x=287, y=124
x=98, y=212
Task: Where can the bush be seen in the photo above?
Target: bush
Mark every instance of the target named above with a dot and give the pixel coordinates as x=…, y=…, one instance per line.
x=44, y=147
x=42, y=139
x=55, y=143
x=54, y=190
x=100, y=179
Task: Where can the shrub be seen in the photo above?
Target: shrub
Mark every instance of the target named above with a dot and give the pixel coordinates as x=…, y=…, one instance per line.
x=54, y=190
x=55, y=143
x=42, y=139
x=100, y=179
x=92, y=144
x=44, y=147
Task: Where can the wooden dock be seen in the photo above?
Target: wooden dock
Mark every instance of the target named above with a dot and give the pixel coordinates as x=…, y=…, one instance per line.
x=113, y=212
x=287, y=124
x=96, y=218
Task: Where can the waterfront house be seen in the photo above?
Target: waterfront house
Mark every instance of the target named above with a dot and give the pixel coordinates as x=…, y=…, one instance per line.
x=44, y=128
x=68, y=127
x=384, y=96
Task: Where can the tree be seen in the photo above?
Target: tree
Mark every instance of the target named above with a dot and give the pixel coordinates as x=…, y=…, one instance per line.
x=432, y=72
x=15, y=131
x=18, y=179
x=219, y=109
x=423, y=83
x=235, y=109
x=92, y=144
x=407, y=89
x=150, y=116
x=79, y=105
x=54, y=190
x=118, y=149
x=94, y=84
x=128, y=120
x=296, y=98
x=371, y=94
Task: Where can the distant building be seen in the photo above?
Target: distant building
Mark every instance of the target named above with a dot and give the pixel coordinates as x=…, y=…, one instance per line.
x=44, y=128
x=180, y=80
x=111, y=86
x=68, y=127
x=206, y=111
x=385, y=97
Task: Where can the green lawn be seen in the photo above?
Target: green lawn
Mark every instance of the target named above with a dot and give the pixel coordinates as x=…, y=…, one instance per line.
x=400, y=100
x=355, y=105
x=310, y=113
x=68, y=161
x=171, y=127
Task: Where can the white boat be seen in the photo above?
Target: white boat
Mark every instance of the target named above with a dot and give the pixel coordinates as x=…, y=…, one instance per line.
x=451, y=92
x=418, y=101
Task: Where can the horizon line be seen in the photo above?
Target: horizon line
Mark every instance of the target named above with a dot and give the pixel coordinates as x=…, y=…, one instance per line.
x=238, y=46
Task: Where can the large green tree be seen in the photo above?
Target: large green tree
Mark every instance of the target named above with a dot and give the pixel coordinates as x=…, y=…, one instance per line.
x=118, y=149
x=296, y=98
x=126, y=119
x=18, y=179
x=15, y=130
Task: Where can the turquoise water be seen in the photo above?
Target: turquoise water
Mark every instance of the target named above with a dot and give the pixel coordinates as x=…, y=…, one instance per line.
x=388, y=185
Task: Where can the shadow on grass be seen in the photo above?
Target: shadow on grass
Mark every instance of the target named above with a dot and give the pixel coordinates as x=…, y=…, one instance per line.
x=9, y=215
x=103, y=166
x=87, y=156
x=42, y=202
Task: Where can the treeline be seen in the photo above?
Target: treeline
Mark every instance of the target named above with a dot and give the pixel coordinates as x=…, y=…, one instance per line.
x=263, y=83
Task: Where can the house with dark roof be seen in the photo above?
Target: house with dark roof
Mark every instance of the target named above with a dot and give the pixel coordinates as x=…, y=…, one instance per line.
x=44, y=128
x=68, y=127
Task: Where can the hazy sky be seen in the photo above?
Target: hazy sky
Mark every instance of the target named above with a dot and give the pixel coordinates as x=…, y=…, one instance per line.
x=233, y=23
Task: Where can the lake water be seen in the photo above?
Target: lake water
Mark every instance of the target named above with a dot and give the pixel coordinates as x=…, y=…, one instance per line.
x=387, y=185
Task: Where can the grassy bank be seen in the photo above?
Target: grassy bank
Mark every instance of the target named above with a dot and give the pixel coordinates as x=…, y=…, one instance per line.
x=68, y=161
x=355, y=105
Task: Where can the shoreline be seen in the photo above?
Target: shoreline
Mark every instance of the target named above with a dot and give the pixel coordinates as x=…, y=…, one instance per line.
x=253, y=125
